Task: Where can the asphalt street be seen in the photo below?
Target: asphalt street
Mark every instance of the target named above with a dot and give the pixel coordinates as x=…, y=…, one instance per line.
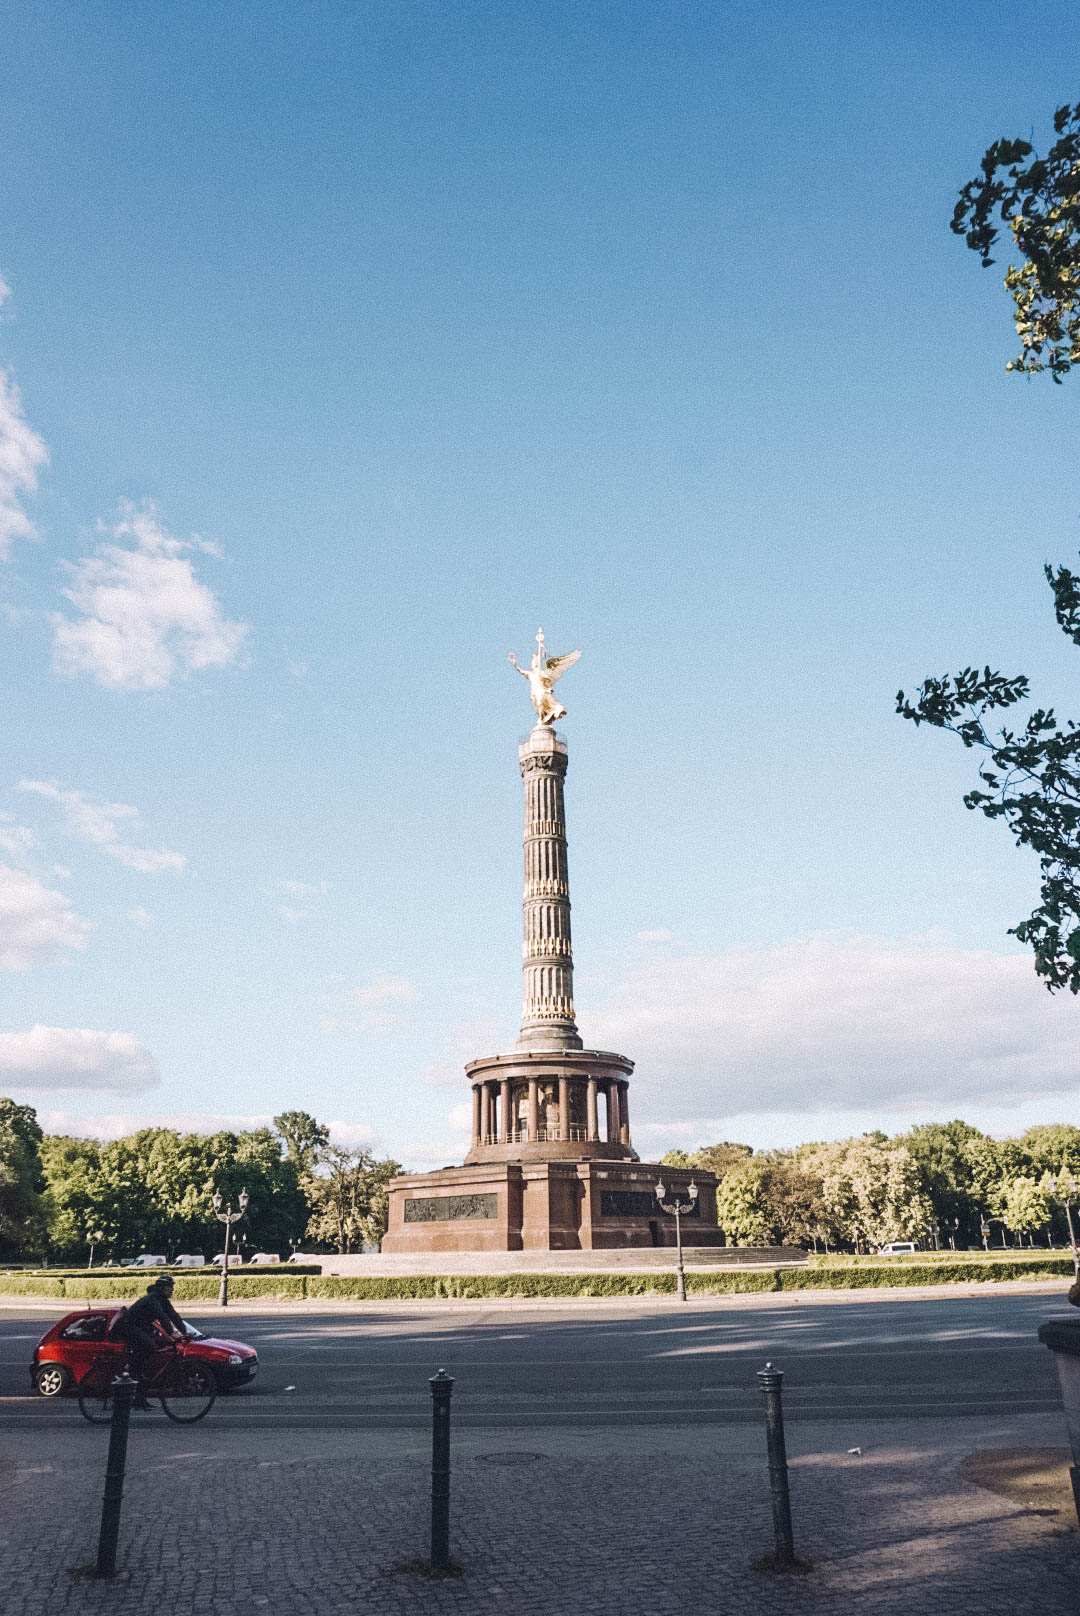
x=612, y=1366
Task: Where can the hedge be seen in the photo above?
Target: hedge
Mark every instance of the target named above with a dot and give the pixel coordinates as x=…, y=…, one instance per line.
x=197, y=1286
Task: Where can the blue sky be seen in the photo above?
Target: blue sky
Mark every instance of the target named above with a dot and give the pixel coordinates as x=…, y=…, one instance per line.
x=352, y=342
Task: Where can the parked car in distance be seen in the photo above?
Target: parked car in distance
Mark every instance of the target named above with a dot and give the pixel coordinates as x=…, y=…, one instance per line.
x=188, y=1259
x=145, y=1260
x=265, y=1257
x=235, y=1260
x=69, y=1349
x=897, y=1248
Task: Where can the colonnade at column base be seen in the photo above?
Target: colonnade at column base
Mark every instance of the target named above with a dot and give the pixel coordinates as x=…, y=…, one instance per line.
x=550, y=1104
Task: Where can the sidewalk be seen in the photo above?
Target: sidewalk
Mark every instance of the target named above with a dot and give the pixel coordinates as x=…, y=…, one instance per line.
x=657, y=1521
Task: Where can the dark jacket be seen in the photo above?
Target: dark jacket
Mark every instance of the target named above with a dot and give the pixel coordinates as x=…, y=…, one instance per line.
x=151, y=1309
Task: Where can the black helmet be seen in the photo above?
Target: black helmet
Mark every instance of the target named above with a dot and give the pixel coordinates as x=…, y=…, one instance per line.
x=164, y=1282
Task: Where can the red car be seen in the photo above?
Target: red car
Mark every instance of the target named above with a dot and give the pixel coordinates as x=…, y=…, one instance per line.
x=66, y=1352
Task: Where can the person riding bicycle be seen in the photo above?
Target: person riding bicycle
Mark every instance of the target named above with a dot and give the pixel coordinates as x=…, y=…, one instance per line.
x=136, y=1329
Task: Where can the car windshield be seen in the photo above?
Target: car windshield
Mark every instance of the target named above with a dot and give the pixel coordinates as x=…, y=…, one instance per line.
x=195, y=1335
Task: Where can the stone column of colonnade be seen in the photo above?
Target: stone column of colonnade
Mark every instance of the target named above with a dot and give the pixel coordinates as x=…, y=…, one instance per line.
x=494, y=1124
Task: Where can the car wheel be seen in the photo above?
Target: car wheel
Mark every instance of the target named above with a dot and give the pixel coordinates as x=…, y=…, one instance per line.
x=51, y=1379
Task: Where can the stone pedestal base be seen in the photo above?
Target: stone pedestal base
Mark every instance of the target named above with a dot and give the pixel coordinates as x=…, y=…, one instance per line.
x=545, y=1206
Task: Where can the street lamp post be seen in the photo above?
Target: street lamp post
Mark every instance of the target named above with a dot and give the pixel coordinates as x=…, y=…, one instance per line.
x=228, y=1218
x=680, y=1209
x=984, y=1230
x=1072, y=1232
x=94, y=1238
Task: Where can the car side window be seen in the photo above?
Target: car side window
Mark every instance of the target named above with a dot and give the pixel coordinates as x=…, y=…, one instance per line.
x=90, y=1328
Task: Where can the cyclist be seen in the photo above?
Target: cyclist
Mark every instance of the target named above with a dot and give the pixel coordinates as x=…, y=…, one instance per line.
x=136, y=1329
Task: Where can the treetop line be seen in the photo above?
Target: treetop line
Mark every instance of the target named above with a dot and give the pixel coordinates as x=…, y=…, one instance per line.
x=152, y=1190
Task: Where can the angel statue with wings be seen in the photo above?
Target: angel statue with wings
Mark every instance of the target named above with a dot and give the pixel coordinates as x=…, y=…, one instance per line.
x=542, y=676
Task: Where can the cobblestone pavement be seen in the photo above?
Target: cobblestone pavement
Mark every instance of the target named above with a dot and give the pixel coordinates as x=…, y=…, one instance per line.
x=665, y=1521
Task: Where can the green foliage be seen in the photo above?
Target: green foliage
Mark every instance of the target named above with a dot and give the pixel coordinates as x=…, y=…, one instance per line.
x=1032, y=775
x=1040, y=203
x=152, y=1190
x=739, y=1209
x=17, y=1284
x=718, y=1159
x=21, y=1179
x=348, y=1198
x=305, y=1139
x=850, y=1275
x=1026, y=1205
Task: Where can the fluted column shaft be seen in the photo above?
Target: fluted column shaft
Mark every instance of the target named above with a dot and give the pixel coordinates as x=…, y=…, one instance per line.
x=547, y=1017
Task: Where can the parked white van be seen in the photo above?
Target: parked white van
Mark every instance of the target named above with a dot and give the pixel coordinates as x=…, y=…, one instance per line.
x=188, y=1259
x=898, y=1248
x=145, y=1260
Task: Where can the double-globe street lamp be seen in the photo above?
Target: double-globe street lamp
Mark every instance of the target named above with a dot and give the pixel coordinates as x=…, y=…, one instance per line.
x=228, y=1218
x=680, y=1209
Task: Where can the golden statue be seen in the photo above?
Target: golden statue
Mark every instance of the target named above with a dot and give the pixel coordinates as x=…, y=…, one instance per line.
x=541, y=676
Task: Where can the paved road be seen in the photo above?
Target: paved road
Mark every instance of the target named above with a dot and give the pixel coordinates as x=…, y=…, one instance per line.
x=603, y=1366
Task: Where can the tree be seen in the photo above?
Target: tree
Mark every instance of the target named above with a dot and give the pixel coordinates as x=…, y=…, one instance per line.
x=1051, y=1146
x=1027, y=1205
x=348, y=1198
x=1032, y=773
x=304, y=1138
x=21, y=1178
x=718, y=1159
x=72, y=1170
x=738, y=1207
x=1040, y=204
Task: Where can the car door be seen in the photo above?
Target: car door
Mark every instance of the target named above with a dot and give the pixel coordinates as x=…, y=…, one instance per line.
x=85, y=1342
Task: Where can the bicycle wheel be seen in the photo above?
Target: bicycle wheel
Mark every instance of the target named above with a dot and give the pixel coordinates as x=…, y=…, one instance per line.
x=96, y=1407
x=191, y=1393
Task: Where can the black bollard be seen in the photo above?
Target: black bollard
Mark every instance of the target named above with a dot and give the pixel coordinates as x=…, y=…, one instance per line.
x=123, y=1390
x=442, y=1387
x=771, y=1381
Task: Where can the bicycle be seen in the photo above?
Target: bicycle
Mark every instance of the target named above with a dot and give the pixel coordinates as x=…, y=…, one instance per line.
x=185, y=1388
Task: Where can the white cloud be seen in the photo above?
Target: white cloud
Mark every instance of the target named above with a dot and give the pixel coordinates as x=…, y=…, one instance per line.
x=293, y=916
x=22, y=452
x=305, y=889
x=383, y=990
x=140, y=917
x=662, y=935
x=117, y=1124
x=37, y=924
x=144, y=618
x=99, y=824
x=351, y=1135
x=59, y=1058
x=377, y=1001
x=15, y=840
x=832, y=1022
x=445, y=1075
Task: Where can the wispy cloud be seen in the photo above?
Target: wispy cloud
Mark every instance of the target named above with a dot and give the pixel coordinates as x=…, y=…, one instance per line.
x=144, y=618
x=38, y=926
x=70, y=1058
x=22, y=453
x=140, y=917
x=372, y=1004
x=661, y=935
x=832, y=1021
x=16, y=840
x=99, y=823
